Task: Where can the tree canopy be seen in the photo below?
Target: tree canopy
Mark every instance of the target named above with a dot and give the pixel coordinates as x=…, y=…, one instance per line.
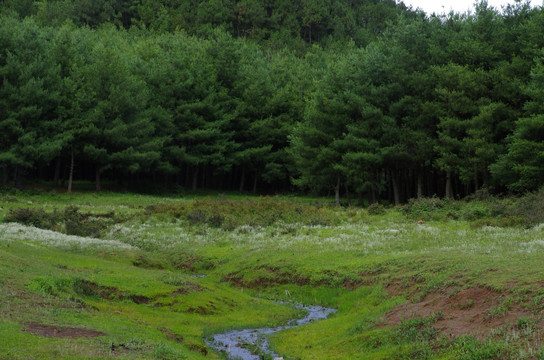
x=361, y=98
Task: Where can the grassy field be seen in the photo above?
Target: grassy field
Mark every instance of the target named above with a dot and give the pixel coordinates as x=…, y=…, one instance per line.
x=119, y=275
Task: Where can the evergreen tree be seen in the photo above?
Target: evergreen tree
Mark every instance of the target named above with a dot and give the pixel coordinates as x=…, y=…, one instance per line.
x=522, y=168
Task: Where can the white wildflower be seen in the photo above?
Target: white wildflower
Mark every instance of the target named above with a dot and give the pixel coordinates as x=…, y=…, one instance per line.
x=12, y=232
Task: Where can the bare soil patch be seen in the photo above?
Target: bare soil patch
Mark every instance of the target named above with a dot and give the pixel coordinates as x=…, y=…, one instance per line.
x=60, y=332
x=85, y=287
x=89, y=288
x=467, y=312
x=170, y=335
x=186, y=289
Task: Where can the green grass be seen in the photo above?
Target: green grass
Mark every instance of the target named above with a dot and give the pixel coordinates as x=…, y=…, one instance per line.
x=137, y=283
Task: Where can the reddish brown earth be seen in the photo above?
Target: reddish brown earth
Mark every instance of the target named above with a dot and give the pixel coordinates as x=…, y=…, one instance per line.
x=60, y=332
x=467, y=312
x=186, y=289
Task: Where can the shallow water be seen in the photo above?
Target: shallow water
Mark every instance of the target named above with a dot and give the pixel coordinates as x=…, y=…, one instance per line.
x=234, y=342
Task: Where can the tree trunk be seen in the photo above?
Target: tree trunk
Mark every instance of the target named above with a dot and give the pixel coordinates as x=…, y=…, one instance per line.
x=396, y=195
x=433, y=183
x=419, y=185
x=57, y=173
x=195, y=179
x=348, y=195
x=337, y=192
x=97, y=177
x=18, y=178
x=187, y=177
x=371, y=196
x=360, y=199
x=227, y=185
x=456, y=190
x=449, y=187
x=203, y=180
x=255, y=184
x=4, y=175
x=242, y=178
x=71, y=174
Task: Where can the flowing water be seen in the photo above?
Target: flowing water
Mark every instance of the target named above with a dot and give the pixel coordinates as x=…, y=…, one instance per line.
x=236, y=342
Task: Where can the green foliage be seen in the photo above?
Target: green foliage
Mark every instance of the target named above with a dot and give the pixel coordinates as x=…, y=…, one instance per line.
x=500, y=310
x=425, y=208
x=230, y=214
x=376, y=209
x=85, y=225
x=418, y=329
x=391, y=104
x=75, y=223
x=51, y=285
x=469, y=348
x=34, y=217
x=529, y=208
x=488, y=211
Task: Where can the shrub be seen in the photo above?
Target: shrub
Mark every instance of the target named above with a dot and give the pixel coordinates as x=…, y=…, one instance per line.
x=475, y=212
x=530, y=208
x=427, y=209
x=85, y=225
x=33, y=217
x=72, y=221
x=196, y=217
x=216, y=220
x=75, y=223
x=527, y=210
x=230, y=214
x=376, y=209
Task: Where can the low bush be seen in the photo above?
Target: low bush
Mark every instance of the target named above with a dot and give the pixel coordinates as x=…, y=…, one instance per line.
x=33, y=217
x=75, y=223
x=481, y=209
x=230, y=214
x=86, y=224
x=530, y=208
x=432, y=208
x=376, y=209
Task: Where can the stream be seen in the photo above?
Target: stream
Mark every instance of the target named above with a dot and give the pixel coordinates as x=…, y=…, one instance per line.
x=235, y=342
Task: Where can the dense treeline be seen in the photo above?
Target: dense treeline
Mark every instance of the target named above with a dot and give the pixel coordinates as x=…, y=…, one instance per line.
x=277, y=23
x=363, y=98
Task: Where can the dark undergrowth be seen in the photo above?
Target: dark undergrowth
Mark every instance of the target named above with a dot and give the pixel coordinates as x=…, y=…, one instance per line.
x=482, y=209
x=70, y=221
x=231, y=213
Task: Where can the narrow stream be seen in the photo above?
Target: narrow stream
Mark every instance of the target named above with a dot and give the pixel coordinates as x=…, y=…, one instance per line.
x=235, y=342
